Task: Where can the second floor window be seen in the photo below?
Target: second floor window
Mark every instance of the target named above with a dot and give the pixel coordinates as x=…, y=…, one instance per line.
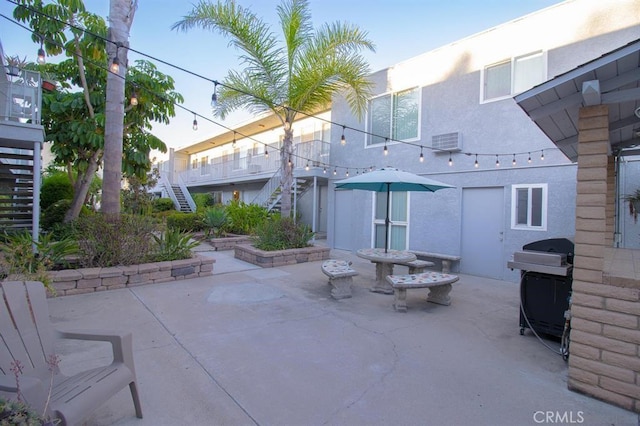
x=393, y=116
x=512, y=76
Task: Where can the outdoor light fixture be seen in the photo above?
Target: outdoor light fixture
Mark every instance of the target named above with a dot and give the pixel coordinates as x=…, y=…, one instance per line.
x=115, y=65
x=476, y=165
x=195, y=122
x=450, y=160
x=542, y=155
x=343, y=141
x=385, y=151
x=266, y=153
x=529, y=159
x=421, y=156
x=134, y=98
x=307, y=166
x=497, y=161
x=214, y=97
x=324, y=170
x=347, y=174
x=513, y=163
x=42, y=58
x=335, y=171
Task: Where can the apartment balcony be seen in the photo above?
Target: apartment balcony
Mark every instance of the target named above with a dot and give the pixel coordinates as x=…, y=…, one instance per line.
x=253, y=167
x=21, y=138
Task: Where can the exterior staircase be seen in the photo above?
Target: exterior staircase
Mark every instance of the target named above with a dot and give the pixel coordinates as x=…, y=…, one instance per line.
x=16, y=190
x=270, y=197
x=180, y=195
x=183, y=205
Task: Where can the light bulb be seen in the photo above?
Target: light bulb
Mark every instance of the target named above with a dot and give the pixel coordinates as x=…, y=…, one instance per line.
x=115, y=65
x=41, y=55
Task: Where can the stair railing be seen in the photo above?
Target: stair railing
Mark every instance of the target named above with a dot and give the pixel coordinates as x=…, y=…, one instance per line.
x=263, y=197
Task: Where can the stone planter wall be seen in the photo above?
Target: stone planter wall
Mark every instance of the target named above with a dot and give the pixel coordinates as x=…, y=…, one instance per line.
x=270, y=259
x=229, y=243
x=88, y=280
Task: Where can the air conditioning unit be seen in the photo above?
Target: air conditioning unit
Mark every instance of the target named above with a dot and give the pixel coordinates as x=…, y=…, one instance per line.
x=447, y=142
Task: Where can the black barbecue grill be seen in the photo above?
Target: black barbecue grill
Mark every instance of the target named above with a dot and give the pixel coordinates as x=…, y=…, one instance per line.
x=545, y=284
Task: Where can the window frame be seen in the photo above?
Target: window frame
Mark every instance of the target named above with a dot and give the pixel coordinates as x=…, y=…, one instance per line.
x=393, y=223
x=392, y=118
x=543, y=207
x=512, y=73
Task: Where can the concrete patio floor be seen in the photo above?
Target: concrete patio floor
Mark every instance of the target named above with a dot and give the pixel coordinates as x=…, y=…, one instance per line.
x=252, y=346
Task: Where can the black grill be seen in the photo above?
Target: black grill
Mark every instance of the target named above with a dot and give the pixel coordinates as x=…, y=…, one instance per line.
x=545, y=284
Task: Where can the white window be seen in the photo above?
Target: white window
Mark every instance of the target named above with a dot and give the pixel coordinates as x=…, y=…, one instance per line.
x=393, y=116
x=398, y=215
x=512, y=76
x=529, y=207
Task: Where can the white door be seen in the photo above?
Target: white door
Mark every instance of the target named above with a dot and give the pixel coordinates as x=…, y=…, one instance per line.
x=482, y=232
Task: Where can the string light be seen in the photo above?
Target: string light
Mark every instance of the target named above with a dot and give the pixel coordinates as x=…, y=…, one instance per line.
x=347, y=174
x=324, y=170
x=307, y=166
x=542, y=155
x=385, y=151
x=134, y=98
x=233, y=144
x=195, y=122
x=214, y=96
x=497, y=161
x=42, y=58
x=115, y=64
x=513, y=163
x=335, y=171
x=421, y=155
x=476, y=165
x=343, y=141
x=266, y=153
x=450, y=160
x=529, y=159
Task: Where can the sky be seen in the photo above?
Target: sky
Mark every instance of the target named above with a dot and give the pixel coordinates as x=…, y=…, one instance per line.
x=400, y=30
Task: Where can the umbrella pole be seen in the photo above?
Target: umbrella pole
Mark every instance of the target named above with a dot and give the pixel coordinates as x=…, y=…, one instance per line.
x=386, y=223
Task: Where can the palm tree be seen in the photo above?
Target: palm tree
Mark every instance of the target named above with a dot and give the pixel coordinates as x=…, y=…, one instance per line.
x=298, y=74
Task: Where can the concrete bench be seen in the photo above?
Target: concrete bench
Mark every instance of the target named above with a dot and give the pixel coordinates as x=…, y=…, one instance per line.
x=439, y=286
x=340, y=276
x=416, y=266
x=445, y=259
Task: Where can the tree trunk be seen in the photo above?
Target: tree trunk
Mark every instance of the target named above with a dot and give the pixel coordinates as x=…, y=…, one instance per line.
x=286, y=177
x=81, y=188
x=121, y=14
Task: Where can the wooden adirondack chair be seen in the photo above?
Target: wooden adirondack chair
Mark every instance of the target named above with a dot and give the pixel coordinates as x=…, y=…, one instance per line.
x=27, y=336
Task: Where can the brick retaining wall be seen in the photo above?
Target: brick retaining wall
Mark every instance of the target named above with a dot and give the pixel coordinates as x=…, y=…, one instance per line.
x=271, y=259
x=88, y=280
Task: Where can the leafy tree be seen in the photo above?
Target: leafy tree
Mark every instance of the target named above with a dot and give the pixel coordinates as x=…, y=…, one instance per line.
x=300, y=73
x=75, y=116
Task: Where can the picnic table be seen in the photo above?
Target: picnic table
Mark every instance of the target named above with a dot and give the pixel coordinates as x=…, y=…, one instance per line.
x=384, y=261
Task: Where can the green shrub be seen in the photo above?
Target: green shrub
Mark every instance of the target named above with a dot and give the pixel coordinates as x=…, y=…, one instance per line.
x=215, y=220
x=162, y=205
x=281, y=233
x=203, y=200
x=173, y=245
x=19, y=260
x=105, y=241
x=55, y=188
x=245, y=218
x=185, y=222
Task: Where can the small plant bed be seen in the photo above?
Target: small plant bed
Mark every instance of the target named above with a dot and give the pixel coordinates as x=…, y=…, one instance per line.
x=229, y=241
x=275, y=258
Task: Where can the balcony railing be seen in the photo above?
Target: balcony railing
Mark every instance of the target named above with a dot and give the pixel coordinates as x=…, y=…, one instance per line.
x=315, y=152
x=21, y=97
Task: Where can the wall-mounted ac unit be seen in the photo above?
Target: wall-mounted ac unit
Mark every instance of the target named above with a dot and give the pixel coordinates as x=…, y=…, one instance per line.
x=447, y=142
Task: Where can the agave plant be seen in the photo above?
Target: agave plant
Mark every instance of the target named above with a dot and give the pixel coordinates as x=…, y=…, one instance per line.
x=215, y=219
x=173, y=245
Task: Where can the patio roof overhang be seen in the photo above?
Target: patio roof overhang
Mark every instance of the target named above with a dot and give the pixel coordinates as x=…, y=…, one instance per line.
x=612, y=79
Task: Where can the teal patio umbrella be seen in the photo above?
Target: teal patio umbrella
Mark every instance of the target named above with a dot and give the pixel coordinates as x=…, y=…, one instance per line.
x=390, y=179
